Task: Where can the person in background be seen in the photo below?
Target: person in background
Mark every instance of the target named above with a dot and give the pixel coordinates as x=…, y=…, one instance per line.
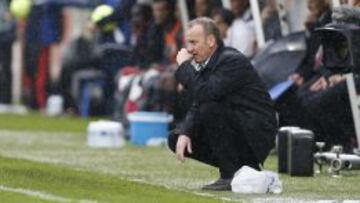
x=241, y=34
x=142, y=54
x=44, y=28
x=271, y=21
x=223, y=19
x=122, y=17
x=166, y=32
x=203, y=8
x=355, y=3
x=7, y=37
x=231, y=121
x=319, y=15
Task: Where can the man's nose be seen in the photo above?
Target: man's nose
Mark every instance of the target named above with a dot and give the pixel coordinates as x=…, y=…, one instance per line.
x=190, y=48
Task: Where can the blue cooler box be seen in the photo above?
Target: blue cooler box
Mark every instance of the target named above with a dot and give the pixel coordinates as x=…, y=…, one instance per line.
x=148, y=125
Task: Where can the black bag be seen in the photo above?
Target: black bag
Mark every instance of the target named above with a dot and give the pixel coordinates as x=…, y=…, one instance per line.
x=295, y=151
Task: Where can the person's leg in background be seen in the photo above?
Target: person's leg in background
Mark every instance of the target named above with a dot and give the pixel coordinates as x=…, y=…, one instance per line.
x=42, y=77
x=5, y=73
x=31, y=59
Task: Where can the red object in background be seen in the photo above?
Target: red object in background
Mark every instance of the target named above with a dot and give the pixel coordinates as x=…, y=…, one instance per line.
x=36, y=87
x=131, y=106
x=42, y=76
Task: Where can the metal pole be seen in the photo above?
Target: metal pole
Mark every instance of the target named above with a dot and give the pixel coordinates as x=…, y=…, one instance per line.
x=226, y=4
x=336, y=3
x=354, y=102
x=255, y=10
x=183, y=14
x=280, y=7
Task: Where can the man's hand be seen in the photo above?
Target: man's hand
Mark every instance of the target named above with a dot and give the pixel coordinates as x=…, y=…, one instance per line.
x=183, y=143
x=335, y=79
x=319, y=85
x=297, y=78
x=182, y=56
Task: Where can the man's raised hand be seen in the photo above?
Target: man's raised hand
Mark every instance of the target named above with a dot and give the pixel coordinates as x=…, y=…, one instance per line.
x=182, y=56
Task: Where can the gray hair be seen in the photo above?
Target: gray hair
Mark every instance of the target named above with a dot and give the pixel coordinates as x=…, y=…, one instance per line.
x=209, y=27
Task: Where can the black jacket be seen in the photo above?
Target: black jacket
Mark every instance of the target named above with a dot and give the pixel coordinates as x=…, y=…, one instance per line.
x=229, y=79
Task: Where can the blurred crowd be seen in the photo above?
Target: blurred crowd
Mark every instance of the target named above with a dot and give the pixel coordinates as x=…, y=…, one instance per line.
x=123, y=58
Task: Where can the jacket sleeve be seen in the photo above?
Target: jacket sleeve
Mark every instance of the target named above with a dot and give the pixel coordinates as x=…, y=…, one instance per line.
x=185, y=74
x=187, y=126
x=231, y=74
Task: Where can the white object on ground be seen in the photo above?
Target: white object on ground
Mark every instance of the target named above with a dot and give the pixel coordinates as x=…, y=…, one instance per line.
x=13, y=109
x=55, y=105
x=248, y=180
x=105, y=134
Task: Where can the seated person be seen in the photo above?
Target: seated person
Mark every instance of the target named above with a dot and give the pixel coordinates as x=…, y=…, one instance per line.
x=325, y=103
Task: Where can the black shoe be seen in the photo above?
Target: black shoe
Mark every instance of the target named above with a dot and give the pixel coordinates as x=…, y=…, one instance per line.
x=220, y=185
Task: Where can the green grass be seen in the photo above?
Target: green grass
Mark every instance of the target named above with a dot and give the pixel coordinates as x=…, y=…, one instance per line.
x=15, y=197
x=156, y=166
x=80, y=185
x=36, y=122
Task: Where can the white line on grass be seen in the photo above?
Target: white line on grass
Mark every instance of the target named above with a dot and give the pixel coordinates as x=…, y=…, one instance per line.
x=42, y=195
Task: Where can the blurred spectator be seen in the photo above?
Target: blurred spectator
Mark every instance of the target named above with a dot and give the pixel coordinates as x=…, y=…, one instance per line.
x=241, y=34
x=142, y=53
x=223, y=19
x=122, y=16
x=166, y=32
x=44, y=28
x=203, y=8
x=324, y=101
x=79, y=55
x=319, y=15
x=355, y=3
x=307, y=77
x=7, y=36
x=271, y=21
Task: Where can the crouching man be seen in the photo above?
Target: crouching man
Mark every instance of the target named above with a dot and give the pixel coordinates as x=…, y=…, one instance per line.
x=231, y=121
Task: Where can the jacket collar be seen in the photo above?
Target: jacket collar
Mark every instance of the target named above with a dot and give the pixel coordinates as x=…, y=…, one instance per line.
x=213, y=59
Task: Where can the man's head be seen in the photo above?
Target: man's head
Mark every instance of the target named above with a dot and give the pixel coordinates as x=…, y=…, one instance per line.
x=317, y=7
x=163, y=11
x=355, y=3
x=141, y=14
x=203, y=7
x=203, y=38
x=239, y=6
x=223, y=19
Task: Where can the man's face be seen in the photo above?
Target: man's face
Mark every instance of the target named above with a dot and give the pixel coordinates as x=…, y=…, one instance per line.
x=238, y=6
x=160, y=12
x=355, y=3
x=223, y=27
x=316, y=8
x=201, y=7
x=198, y=44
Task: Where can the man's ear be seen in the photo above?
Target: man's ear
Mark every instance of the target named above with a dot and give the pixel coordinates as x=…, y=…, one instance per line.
x=211, y=40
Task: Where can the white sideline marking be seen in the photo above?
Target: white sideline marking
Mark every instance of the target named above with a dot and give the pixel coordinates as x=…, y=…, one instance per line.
x=42, y=195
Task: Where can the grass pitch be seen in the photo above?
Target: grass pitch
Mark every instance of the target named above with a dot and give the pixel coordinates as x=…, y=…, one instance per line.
x=47, y=160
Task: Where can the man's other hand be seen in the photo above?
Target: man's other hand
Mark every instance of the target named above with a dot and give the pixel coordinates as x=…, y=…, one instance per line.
x=182, y=56
x=183, y=143
x=297, y=78
x=319, y=85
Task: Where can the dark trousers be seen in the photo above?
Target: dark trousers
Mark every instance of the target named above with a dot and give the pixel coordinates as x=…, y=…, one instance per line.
x=331, y=109
x=5, y=73
x=214, y=142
